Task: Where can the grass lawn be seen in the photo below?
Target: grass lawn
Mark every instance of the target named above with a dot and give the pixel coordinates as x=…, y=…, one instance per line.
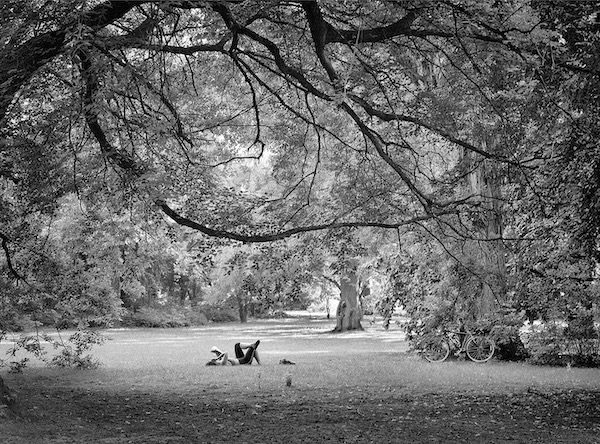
x=153, y=387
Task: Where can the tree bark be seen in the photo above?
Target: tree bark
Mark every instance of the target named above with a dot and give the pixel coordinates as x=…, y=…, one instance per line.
x=7, y=401
x=488, y=251
x=243, y=303
x=349, y=312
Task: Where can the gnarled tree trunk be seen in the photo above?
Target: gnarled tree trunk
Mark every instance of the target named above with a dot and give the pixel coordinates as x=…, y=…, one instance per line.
x=349, y=312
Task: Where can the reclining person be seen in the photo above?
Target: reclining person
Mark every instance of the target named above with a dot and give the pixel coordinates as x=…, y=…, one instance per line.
x=241, y=358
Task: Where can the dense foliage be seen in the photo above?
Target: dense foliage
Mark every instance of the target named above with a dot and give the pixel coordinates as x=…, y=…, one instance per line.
x=439, y=156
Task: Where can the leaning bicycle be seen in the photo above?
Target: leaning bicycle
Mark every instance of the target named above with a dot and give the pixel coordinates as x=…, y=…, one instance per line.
x=478, y=348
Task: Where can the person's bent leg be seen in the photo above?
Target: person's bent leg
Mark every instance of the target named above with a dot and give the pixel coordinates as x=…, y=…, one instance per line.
x=249, y=356
x=239, y=353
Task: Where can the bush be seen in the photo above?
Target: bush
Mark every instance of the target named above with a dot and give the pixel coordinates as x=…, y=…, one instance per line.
x=545, y=345
x=506, y=334
x=273, y=314
x=164, y=317
x=219, y=313
x=554, y=344
x=196, y=316
x=14, y=322
x=72, y=352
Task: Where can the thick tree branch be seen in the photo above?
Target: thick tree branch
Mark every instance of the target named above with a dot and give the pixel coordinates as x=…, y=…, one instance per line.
x=320, y=29
x=379, y=34
x=333, y=281
x=258, y=238
x=18, y=65
x=116, y=156
x=138, y=43
x=8, y=258
x=402, y=27
x=286, y=70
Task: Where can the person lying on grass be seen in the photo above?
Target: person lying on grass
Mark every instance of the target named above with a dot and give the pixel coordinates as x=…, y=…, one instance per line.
x=241, y=358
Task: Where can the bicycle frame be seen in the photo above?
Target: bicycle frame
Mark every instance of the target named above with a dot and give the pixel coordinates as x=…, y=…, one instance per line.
x=458, y=339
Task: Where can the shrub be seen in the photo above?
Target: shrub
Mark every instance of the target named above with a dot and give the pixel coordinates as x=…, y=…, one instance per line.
x=273, y=314
x=72, y=352
x=196, y=316
x=505, y=332
x=165, y=317
x=219, y=313
x=554, y=344
x=147, y=317
x=545, y=344
x=13, y=322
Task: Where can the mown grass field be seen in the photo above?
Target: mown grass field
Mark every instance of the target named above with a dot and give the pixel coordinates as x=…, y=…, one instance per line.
x=153, y=387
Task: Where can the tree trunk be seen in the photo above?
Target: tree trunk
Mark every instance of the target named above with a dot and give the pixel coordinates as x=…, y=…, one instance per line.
x=243, y=303
x=7, y=401
x=194, y=293
x=349, y=312
x=488, y=251
x=184, y=289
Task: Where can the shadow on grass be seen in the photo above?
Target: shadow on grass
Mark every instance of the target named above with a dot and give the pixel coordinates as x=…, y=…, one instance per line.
x=153, y=386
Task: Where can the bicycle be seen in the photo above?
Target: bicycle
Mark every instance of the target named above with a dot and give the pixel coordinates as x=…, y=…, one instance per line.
x=478, y=348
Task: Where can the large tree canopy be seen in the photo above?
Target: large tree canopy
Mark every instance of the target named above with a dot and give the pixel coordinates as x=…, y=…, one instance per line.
x=354, y=85
x=255, y=121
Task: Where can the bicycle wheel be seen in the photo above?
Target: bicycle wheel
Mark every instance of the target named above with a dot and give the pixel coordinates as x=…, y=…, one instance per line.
x=436, y=350
x=480, y=348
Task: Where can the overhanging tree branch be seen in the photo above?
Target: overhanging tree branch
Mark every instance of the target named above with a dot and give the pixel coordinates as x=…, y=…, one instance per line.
x=389, y=117
x=116, y=156
x=258, y=238
x=19, y=64
x=284, y=67
x=7, y=256
x=320, y=29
